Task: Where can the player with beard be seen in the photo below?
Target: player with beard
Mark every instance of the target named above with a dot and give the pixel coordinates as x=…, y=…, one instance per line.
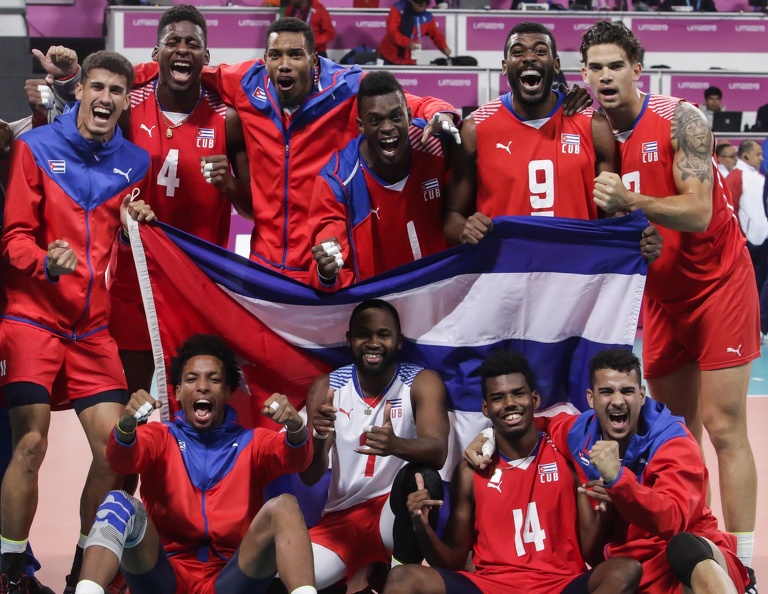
x=385, y=187
x=520, y=516
x=699, y=340
x=381, y=420
x=523, y=153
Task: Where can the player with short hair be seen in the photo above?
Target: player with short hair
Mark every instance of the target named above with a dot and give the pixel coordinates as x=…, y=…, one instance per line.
x=644, y=468
x=192, y=138
x=377, y=203
x=699, y=341
x=380, y=420
x=70, y=185
x=202, y=525
x=525, y=153
x=519, y=516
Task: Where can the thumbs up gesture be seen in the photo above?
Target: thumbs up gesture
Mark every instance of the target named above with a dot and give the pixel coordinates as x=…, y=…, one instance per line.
x=324, y=416
x=380, y=441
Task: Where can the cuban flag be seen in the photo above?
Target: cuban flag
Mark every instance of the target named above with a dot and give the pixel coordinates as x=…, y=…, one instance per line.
x=207, y=133
x=650, y=147
x=557, y=290
x=57, y=166
x=573, y=139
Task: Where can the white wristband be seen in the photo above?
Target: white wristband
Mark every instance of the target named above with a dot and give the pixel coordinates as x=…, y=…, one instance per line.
x=319, y=435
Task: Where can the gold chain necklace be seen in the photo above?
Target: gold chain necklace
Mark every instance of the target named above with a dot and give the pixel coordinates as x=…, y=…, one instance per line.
x=376, y=401
x=169, y=127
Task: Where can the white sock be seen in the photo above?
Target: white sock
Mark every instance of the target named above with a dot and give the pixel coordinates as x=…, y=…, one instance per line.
x=304, y=590
x=13, y=546
x=745, y=542
x=88, y=587
x=82, y=540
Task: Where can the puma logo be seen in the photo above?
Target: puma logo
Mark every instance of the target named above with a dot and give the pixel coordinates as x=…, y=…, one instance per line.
x=376, y=212
x=123, y=173
x=149, y=130
x=495, y=482
x=737, y=350
x=349, y=414
x=505, y=147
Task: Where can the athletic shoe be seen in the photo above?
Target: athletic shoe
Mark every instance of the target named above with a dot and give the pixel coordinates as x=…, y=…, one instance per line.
x=752, y=585
x=17, y=583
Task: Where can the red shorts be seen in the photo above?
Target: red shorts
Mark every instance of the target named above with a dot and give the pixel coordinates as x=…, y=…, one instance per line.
x=128, y=324
x=68, y=369
x=194, y=577
x=353, y=534
x=718, y=330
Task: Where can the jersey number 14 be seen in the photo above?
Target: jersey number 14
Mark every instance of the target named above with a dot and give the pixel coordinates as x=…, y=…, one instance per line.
x=528, y=529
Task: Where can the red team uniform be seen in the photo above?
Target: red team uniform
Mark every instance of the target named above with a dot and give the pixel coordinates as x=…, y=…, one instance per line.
x=691, y=312
x=526, y=524
x=54, y=329
x=202, y=511
x=662, y=487
x=290, y=150
x=542, y=167
x=379, y=226
x=177, y=192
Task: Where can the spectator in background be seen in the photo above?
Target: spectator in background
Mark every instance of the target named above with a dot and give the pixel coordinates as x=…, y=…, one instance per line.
x=761, y=122
x=727, y=155
x=713, y=97
x=746, y=184
x=316, y=15
x=408, y=23
x=695, y=5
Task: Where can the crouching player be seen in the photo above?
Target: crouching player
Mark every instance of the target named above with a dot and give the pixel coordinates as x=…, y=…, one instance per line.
x=202, y=478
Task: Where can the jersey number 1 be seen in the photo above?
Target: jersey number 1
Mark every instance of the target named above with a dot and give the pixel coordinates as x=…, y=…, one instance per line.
x=371, y=462
x=528, y=529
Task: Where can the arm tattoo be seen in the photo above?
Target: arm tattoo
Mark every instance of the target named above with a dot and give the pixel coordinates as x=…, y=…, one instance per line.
x=692, y=136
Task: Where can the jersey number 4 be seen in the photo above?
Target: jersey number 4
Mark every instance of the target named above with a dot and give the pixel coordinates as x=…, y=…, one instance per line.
x=528, y=529
x=167, y=175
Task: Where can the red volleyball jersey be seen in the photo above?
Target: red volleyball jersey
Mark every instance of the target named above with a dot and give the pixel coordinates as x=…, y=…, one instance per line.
x=690, y=263
x=527, y=525
x=178, y=192
x=542, y=167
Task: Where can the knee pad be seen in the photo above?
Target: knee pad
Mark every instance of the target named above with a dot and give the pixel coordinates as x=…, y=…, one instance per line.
x=406, y=547
x=684, y=552
x=120, y=523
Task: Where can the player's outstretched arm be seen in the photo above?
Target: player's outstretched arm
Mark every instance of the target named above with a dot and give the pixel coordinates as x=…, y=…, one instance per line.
x=450, y=552
x=321, y=415
x=139, y=408
x=693, y=171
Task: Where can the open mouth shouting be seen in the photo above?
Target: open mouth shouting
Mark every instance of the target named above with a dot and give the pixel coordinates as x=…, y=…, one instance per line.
x=203, y=410
x=181, y=71
x=531, y=80
x=619, y=420
x=389, y=146
x=101, y=115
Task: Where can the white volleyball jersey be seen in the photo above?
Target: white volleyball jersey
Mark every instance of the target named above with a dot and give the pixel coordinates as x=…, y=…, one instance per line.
x=356, y=478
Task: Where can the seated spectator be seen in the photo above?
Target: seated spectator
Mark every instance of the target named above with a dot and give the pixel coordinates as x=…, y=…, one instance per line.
x=408, y=23
x=713, y=98
x=727, y=155
x=314, y=13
